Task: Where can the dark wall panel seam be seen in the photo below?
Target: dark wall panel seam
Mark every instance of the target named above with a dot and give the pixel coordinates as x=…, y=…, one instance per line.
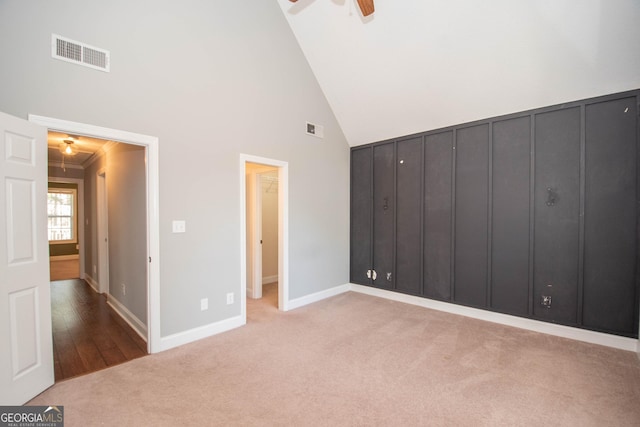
x=452, y=260
x=371, y=209
x=532, y=192
x=581, y=224
x=489, y=278
x=422, y=203
x=394, y=219
x=637, y=308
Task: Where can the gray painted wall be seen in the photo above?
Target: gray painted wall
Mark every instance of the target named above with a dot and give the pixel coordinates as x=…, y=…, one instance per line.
x=92, y=264
x=126, y=193
x=210, y=79
x=270, y=226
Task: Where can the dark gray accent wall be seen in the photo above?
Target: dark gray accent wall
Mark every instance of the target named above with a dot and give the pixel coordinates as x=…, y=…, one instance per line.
x=533, y=214
x=557, y=214
x=384, y=204
x=438, y=155
x=610, y=215
x=361, y=168
x=471, y=197
x=409, y=215
x=510, y=220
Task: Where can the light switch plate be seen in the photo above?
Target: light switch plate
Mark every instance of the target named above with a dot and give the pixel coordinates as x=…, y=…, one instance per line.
x=179, y=226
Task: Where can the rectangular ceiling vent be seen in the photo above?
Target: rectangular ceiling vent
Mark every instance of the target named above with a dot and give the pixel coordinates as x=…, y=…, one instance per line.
x=79, y=53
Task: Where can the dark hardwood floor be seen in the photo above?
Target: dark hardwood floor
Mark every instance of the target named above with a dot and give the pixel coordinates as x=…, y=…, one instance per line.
x=87, y=334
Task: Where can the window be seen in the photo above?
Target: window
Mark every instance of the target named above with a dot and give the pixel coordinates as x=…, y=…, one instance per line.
x=61, y=210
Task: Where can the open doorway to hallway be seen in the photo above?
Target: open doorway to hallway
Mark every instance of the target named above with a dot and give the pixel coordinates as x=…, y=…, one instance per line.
x=99, y=308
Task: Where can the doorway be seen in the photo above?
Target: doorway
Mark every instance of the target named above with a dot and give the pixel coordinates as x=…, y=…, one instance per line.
x=150, y=145
x=264, y=196
x=99, y=322
x=262, y=231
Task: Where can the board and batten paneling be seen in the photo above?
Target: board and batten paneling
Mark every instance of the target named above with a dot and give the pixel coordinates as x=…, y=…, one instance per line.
x=438, y=204
x=384, y=215
x=510, y=215
x=471, y=215
x=360, y=232
x=610, y=215
x=408, y=214
x=533, y=214
x=557, y=214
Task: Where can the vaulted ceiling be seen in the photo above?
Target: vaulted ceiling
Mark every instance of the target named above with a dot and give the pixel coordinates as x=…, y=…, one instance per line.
x=417, y=65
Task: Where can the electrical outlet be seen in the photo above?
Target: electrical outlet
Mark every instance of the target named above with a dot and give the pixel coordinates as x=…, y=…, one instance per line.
x=230, y=298
x=546, y=301
x=204, y=304
x=95, y=269
x=124, y=289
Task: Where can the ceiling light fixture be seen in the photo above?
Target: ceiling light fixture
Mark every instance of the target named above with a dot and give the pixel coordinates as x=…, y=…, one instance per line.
x=67, y=148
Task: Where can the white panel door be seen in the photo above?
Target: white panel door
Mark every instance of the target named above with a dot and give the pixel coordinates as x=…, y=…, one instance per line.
x=26, y=352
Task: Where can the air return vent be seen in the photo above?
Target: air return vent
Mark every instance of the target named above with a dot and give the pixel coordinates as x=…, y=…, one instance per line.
x=315, y=130
x=79, y=53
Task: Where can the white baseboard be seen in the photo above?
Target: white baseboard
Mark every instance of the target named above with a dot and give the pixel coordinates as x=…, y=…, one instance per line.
x=92, y=283
x=269, y=279
x=318, y=296
x=128, y=316
x=54, y=258
x=199, y=333
x=615, y=341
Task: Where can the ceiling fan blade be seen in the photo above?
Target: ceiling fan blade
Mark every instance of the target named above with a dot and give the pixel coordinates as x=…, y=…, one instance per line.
x=366, y=6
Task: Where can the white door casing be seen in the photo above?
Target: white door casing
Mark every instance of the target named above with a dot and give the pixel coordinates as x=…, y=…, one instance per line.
x=26, y=357
x=151, y=143
x=283, y=229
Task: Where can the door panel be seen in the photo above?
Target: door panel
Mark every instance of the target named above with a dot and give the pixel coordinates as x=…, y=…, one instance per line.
x=383, y=215
x=26, y=358
x=557, y=210
x=510, y=216
x=437, y=215
x=408, y=216
x=610, y=216
x=360, y=215
x=472, y=177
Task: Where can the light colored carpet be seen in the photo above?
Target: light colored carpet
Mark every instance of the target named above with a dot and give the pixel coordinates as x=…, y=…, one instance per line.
x=357, y=360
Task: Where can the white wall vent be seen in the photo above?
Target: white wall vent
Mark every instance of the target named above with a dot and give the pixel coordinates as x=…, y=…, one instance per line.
x=79, y=53
x=315, y=130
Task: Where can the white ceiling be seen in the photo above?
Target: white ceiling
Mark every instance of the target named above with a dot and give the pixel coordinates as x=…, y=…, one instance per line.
x=418, y=65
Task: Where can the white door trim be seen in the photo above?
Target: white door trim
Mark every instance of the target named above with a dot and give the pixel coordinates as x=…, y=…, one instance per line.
x=283, y=229
x=80, y=219
x=153, y=222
